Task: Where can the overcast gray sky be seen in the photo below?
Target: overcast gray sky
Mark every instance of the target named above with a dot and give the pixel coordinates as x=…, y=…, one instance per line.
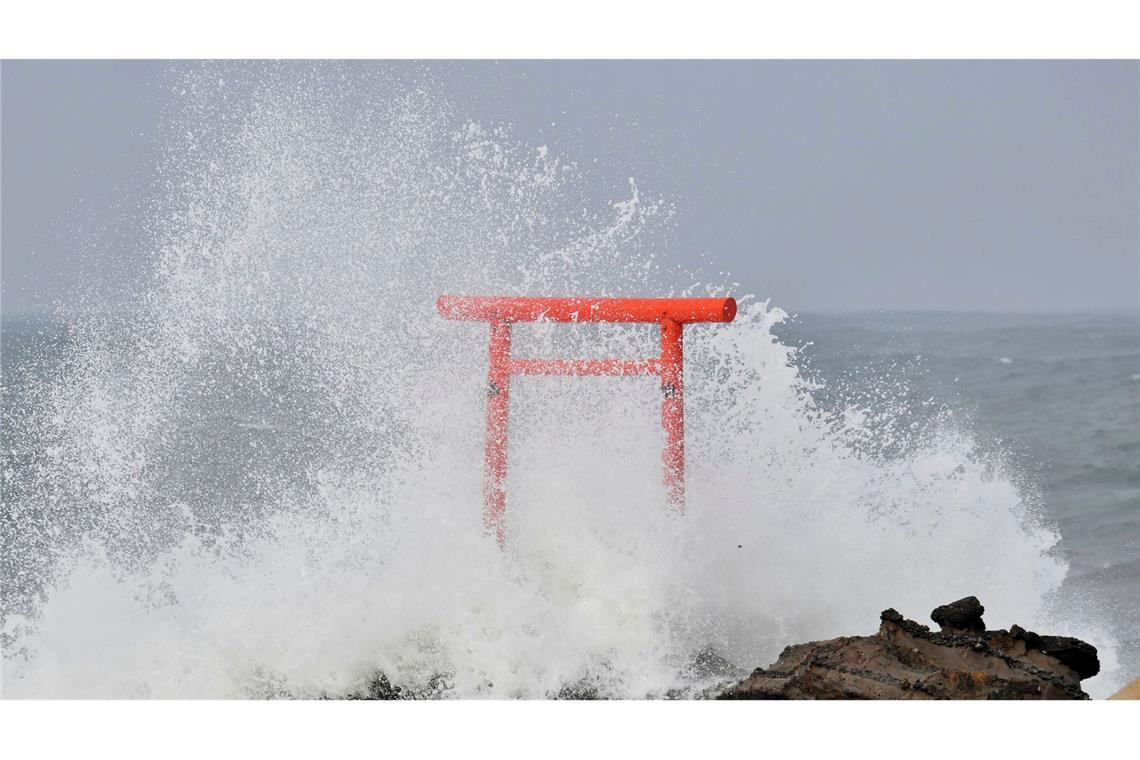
x=992, y=186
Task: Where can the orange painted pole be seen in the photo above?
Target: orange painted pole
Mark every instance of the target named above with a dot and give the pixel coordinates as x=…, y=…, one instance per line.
x=673, y=410
x=498, y=397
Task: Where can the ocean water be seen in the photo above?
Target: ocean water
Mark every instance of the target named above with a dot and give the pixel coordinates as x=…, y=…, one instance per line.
x=260, y=474
x=1057, y=396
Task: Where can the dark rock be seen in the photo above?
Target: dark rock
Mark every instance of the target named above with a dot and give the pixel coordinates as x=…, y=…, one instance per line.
x=890, y=614
x=379, y=687
x=1073, y=653
x=1077, y=654
x=581, y=690
x=963, y=615
x=905, y=660
x=1031, y=639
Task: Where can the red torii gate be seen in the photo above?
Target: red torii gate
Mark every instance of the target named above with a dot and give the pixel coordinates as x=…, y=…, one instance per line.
x=502, y=312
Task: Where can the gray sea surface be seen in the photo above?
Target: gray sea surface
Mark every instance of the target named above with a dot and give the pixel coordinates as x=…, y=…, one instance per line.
x=1055, y=395
x=1058, y=395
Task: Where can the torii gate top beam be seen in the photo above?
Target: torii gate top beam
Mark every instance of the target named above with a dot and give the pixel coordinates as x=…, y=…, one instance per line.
x=520, y=309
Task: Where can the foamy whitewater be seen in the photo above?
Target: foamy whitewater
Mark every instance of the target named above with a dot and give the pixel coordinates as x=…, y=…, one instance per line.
x=266, y=480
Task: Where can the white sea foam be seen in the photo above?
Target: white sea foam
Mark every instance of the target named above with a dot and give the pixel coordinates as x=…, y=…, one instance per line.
x=297, y=261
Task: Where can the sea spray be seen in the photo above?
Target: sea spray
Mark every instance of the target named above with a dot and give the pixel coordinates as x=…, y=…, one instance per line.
x=265, y=480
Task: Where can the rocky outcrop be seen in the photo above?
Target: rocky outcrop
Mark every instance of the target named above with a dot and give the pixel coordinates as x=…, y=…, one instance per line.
x=379, y=687
x=963, y=615
x=906, y=660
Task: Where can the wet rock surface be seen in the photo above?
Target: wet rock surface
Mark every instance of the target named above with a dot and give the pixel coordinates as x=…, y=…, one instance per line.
x=379, y=687
x=906, y=660
x=963, y=615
